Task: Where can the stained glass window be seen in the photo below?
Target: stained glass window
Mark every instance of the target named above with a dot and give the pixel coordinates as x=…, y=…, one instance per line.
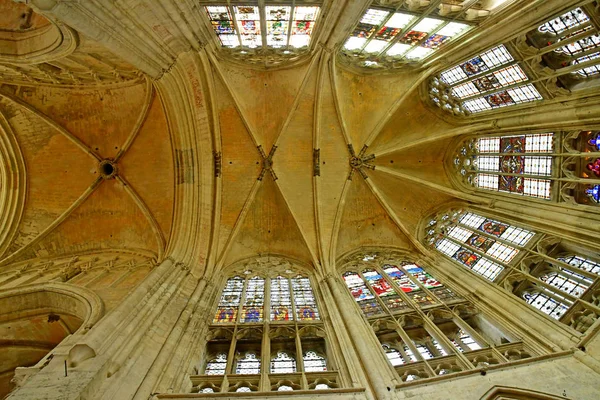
x=400, y=35
x=475, y=242
x=252, y=311
x=362, y=294
x=304, y=299
x=241, y=25
x=313, y=362
x=570, y=28
x=281, y=299
x=230, y=300
x=568, y=20
x=289, y=299
x=386, y=284
x=554, y=284
x=582, y=263
x=249, y=364
x=217, y=365
x=511, y=164
x=488, y=81
x=283, y=363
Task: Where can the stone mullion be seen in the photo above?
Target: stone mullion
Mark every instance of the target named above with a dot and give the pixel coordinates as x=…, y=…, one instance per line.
x=263, y=23
x=290, y=22
x=235, y=22
x=265, y=351
x=364, y=342
x=472, y=332
x=338, y=341
x=300, y=359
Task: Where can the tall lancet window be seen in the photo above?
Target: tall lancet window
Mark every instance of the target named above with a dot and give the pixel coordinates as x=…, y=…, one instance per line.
x=421, y=324
x=266, y=333
x=287, y=25
x=554, y=166
x=553, y=276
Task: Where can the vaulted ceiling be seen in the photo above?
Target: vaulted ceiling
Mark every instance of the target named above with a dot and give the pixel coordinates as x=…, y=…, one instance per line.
x=312, y=160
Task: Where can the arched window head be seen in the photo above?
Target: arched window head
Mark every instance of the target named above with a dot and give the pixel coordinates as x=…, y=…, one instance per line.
x=314, y=362
x=248, y=364
x=216, y=366
x=283, y=363
x=284, y=29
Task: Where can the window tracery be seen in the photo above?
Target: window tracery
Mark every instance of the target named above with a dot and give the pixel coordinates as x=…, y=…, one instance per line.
x=393, y=33
x=553, y=166
x=553, y=276
x=248, y=30
x=549, y=61
x=424, y=336
x=266, y=333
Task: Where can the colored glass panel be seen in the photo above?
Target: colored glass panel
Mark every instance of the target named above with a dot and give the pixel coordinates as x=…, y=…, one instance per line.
x=362, y=294
x=230, y=300
x=424, y=277
x=384, y=290
x=306, y=305
x=401, y=279
x=281, y=299
x=252, y=311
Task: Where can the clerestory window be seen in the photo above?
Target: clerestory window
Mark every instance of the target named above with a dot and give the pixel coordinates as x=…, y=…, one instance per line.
x=559, y=277
x=288, y=25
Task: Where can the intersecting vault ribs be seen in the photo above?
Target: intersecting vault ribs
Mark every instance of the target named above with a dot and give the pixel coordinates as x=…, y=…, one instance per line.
x=359, y=162
x=267, y=163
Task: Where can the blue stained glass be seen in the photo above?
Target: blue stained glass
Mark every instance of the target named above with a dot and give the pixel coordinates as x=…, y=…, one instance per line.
x=594, y=193
x=595, y=142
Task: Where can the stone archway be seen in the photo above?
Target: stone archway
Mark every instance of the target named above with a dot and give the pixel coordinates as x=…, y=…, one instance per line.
x=34, y=319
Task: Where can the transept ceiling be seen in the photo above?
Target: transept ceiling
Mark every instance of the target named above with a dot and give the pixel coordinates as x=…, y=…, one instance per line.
x=311, y=160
